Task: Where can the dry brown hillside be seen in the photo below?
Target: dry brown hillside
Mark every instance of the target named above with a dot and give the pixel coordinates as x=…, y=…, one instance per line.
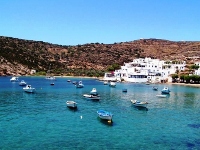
x=18, y=56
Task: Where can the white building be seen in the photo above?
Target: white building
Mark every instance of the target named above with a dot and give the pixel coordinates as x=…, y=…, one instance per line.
x=197, y=72
x=146, y=69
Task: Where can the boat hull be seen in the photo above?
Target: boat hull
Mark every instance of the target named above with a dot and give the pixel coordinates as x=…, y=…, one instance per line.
x=29, y=90
x=92, y=97
x=165, y=92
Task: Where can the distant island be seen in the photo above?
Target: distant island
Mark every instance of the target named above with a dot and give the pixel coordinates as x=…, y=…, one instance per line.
x=21, y=57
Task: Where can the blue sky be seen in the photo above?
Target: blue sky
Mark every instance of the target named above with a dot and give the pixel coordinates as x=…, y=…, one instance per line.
x=73, y=22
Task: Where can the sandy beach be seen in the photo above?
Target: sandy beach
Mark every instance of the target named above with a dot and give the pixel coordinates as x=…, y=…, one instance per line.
x=188, y=84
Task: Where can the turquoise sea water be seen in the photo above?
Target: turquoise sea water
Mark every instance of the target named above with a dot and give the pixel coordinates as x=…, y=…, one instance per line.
x=42, y=120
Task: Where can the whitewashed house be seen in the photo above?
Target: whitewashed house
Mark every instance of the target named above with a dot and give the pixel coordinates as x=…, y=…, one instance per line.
x=146, y=69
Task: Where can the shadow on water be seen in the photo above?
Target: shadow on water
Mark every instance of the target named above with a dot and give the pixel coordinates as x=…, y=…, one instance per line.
x=194, y=125
x=72, y=109
x=105, y=122
x=141, y=108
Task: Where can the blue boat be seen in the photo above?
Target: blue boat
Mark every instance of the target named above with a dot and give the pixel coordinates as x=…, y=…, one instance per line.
x=165, y=90
x=104, y=115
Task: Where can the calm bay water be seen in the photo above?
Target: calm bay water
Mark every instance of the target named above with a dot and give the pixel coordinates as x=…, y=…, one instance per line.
x=42, y=120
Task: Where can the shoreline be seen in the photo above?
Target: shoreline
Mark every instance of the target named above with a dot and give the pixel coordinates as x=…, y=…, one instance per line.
x=185, y=84
x=101, y=79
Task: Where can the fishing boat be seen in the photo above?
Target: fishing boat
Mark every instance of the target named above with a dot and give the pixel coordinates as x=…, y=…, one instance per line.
x=71, y=104
x=29, y=89
x=92, y=97
x=138, y=103
x=22, y=83
x=165, y=90
x=104, y=115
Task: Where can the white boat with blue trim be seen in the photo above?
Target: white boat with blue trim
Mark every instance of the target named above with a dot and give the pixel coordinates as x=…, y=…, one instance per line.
x=165, y=90
x=105, y=115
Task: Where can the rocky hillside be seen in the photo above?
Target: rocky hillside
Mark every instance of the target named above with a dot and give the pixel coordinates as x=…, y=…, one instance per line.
x=18, y=56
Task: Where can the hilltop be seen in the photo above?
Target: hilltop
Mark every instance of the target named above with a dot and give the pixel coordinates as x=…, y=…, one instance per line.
x=19, y=56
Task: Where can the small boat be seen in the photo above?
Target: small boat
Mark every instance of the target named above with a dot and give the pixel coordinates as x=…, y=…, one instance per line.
x=155, y=88
x=71, y=104
x=105, y=82
x=29, y=89
x=22, y=83
x=79, y=84
x=165, y=90
x=138, y=103
x=112, y=84
x=50, y=78
x=91, y=96
x=52, y=83
x=104, y=115
x=75, y=82
x=124, y=90
x=161, y=95
x=94, y=91
x=14, y=79
x=68, y=80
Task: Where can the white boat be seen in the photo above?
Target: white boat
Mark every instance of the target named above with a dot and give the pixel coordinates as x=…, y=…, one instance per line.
x=161, y=95
x=104, y=115
x=22, y=83
x=29, y=89
x=94, y=91
x=165, y=90
x=91, y=96
x=79, y=84
x=138, y=103
x=105, y=82
x=71, y=104
x=14, y=79
x=112, y=84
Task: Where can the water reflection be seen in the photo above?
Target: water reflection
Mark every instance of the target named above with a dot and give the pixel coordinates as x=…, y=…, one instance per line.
x=141, y=108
